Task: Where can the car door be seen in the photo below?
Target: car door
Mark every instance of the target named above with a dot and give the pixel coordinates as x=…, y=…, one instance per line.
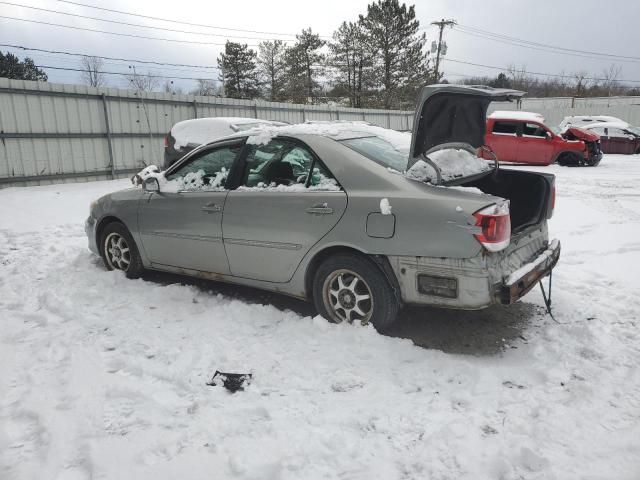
x=536, y=144
x=181, y=226
x=286, y=202
x=621, y=141
x=503, y=141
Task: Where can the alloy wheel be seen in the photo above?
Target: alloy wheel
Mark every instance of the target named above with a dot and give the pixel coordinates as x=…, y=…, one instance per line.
x=347, y=297
x=117, y=252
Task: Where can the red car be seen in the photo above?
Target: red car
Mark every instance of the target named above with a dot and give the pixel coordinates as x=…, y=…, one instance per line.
x=616, y=137
x=522, y=137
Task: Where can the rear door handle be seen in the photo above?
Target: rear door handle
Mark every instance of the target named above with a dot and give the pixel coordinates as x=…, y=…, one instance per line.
x=211, y=208
x=320, y=209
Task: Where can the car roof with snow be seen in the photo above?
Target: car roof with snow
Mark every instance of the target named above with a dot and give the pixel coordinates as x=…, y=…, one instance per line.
x=618, y=124
x=516, y=115
x=199, y=131
x=336, y=130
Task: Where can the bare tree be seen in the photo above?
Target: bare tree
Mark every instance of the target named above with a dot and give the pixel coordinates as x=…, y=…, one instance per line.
x=142, y=82
x=169, y=87
x=207, y=88
x=610, y=82
x=92, y=71
x=582, y=83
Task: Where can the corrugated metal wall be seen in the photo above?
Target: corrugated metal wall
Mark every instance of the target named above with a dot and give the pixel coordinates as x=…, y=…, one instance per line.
x=52, y=133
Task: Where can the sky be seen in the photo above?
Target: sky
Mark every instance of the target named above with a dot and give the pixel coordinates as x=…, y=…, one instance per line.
x=585, y=25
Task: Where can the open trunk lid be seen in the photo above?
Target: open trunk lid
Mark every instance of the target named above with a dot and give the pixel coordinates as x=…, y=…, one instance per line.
x=453, y=115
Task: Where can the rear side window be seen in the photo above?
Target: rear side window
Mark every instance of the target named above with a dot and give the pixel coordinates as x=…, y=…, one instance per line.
x=505, y=128
x=284, y=165
x=380, y=151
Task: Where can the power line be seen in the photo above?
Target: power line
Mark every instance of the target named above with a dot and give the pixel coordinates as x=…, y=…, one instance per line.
x=485, y=34
x=150, y=62
x=131, y=35
x=174, y=21
x=123, y=73
x=138, y=25
x=493, y=67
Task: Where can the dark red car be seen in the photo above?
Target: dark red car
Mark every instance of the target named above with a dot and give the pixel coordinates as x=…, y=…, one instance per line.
x=616, y=137
x=523, y=137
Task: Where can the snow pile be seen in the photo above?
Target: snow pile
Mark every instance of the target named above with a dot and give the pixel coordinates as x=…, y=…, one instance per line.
x=385, y=206
x=104, y=377
x=453, y=163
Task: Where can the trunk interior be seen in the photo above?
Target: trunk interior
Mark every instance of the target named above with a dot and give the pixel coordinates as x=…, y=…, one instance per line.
x=529, y=194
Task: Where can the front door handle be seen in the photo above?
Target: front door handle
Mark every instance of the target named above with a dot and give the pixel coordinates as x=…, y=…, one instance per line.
x=212, y=208
x=320, y=209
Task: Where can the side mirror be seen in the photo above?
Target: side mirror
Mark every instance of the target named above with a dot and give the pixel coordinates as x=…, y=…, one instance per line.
x=548, y=135
x=151, y=184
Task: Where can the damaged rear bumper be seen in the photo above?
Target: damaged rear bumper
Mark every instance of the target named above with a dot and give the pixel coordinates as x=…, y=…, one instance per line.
x=480, y=281
x=525, y=278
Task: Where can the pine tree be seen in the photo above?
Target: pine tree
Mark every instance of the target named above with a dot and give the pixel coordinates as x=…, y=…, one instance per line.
x=272, y=68
x=402, y=67
x=12, y=67
x=238, y=71
x=353, y=60
x=302, y=72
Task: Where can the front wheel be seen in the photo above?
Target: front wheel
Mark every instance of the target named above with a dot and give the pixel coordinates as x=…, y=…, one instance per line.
x=119, y=250
x=349, y=288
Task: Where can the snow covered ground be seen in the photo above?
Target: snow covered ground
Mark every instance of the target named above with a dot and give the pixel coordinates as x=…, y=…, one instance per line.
x=103, y=377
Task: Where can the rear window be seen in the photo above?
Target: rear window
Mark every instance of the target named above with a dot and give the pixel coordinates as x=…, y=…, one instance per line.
x=380, y=151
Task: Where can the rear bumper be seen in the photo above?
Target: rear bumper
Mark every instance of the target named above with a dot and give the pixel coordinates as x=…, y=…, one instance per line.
x=525, y=278
x=480, y=281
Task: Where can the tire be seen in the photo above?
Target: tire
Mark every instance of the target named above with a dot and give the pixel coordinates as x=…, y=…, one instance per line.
x=119, y=250
x=570, y=159
x=335, y=294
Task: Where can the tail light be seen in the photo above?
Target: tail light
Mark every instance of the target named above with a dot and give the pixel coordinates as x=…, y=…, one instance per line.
x=166, y=140
x=495, y=227
x=553, y=200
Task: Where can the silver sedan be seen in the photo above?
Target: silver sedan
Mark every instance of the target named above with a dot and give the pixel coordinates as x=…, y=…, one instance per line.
x=357, y=218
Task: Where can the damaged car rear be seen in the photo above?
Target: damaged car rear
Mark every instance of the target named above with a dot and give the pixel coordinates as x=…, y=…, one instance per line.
x=356, y=218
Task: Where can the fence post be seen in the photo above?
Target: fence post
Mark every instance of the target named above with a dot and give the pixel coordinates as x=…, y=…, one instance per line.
x=388, y=119
x=195, y=109
x=304, y=117
x=108, y=128
x=337, y=114
x=255, y=108
x=364, y=117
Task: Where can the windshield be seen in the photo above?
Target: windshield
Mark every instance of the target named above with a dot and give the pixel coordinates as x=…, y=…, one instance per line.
x=380, y=151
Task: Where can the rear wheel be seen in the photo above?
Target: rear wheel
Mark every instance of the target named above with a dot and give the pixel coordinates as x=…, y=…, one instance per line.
x=119, y=251
x=349, y=288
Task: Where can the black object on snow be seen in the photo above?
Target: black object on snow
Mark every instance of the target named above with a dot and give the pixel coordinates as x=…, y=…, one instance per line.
x=231, y=381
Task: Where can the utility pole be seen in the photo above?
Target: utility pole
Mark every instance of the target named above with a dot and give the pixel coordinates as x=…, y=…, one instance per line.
x=441, y=24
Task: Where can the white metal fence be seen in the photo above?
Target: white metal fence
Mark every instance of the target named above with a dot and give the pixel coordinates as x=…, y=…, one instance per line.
x=52, y=133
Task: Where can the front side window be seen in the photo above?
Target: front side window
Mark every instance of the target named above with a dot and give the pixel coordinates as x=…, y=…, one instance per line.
x=534, y=130
x=285, y=165
x=207, y=170
x=505, y=128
